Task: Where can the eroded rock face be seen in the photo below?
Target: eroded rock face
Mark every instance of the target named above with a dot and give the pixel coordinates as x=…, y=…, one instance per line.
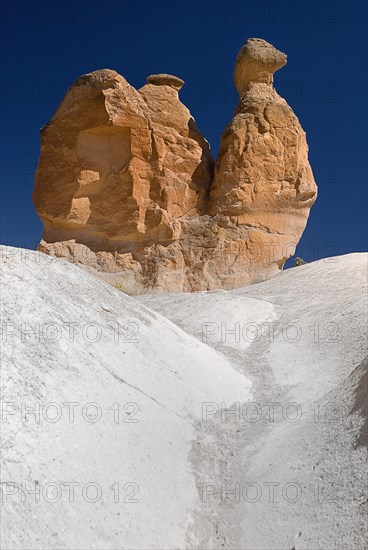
x=263, y=180
x=126, y=183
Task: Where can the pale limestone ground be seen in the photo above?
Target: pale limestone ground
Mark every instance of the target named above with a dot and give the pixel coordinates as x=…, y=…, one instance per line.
x=169, y=373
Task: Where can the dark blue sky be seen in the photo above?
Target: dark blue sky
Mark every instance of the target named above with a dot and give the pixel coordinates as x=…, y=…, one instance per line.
x=47, y=45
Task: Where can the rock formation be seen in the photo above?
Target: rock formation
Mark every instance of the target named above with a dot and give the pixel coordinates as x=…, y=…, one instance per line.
x=126, y=183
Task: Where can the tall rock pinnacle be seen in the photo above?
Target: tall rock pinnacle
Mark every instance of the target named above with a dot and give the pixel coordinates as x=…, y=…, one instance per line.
x=263, y=180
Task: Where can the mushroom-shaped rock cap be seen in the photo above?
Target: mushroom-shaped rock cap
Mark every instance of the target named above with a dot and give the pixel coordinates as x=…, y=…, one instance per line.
x=166, y=80
x=256, y=62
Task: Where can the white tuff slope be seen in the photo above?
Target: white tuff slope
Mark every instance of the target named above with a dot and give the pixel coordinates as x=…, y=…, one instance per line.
x=161, y=370
x=302, y=472
x=166, y=373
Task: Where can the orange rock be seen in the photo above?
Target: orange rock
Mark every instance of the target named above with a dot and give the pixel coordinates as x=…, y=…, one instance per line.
x=263, y=180
x=125, y=181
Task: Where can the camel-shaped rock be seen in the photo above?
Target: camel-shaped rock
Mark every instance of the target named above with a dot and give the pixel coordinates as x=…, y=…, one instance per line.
x=126, y=183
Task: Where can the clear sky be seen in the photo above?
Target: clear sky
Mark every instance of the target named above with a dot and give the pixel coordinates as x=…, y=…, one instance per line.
x=47, y=45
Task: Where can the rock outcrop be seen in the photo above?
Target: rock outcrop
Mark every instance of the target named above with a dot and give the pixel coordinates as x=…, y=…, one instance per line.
x=126, y=183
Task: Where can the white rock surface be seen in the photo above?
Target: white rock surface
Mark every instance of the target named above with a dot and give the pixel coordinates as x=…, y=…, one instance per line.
x=306, y=471
x=167, y=369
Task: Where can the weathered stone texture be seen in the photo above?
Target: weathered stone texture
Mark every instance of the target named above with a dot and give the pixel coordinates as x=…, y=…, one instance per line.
x=126, y=182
